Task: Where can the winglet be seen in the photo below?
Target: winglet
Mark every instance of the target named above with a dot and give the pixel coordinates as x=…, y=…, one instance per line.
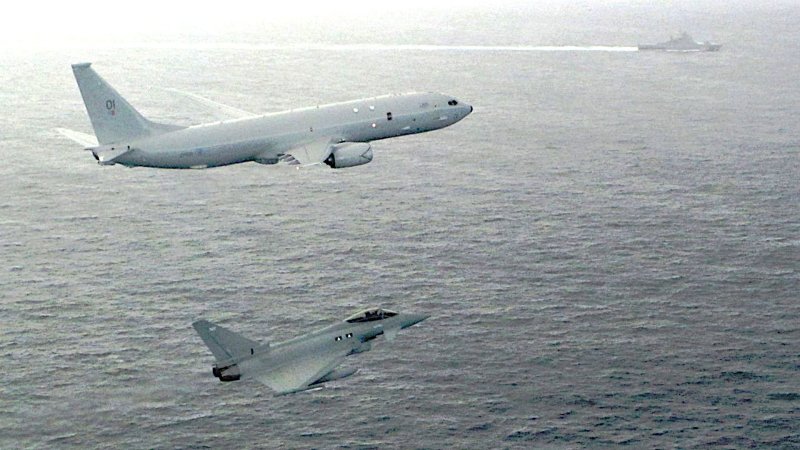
x=221, y=110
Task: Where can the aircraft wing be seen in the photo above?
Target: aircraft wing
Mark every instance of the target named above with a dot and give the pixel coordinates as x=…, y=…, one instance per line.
x=86, y=140
x=300, y=373
x=221, y=110
x=309, y=153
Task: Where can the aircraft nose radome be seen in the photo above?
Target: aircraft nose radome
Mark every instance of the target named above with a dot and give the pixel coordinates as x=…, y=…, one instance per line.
x=413, y=319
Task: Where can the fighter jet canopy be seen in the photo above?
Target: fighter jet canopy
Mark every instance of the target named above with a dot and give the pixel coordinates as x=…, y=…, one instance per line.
x=369, y=315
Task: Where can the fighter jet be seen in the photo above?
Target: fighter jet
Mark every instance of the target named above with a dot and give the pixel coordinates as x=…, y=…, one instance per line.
x=337, y=134
x=304, y=362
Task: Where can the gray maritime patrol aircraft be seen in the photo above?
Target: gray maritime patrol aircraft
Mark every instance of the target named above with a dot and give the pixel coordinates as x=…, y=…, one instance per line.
x=337, y=135
x=304, y=362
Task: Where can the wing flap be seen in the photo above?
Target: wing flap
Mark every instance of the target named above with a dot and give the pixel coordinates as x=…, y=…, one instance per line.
x=311, y=152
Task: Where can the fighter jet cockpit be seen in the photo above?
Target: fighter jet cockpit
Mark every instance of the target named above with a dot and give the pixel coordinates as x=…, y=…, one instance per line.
x=369, y=315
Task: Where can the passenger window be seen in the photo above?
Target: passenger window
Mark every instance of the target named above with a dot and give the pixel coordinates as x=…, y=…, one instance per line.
x=388, y=116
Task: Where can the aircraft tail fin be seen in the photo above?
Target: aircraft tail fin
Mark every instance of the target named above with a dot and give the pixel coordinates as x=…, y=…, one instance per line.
x=113, y=118
x=224, y=343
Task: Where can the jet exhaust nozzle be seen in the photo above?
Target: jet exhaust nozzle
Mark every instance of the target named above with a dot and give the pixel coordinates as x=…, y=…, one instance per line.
x=229, y=373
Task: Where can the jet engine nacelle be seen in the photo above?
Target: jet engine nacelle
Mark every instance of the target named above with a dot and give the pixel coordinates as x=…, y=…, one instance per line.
x=349, y=154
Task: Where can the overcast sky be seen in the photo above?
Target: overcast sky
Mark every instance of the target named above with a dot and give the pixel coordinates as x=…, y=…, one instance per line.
x=104, y=17
x=37, y=21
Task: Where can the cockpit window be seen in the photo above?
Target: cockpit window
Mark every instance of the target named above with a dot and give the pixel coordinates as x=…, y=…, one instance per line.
x=452, y=102
x=370, y=315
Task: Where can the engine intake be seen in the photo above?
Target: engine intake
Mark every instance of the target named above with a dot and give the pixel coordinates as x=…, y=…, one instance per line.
x=364, y=347
x=349, y=154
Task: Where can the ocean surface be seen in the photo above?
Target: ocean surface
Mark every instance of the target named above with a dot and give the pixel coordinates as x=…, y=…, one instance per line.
x=608, y=247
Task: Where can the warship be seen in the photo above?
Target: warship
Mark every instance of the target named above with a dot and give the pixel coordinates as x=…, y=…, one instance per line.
x=682, y=43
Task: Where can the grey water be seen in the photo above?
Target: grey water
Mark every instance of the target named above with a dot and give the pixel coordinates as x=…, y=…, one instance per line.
x=608, y=246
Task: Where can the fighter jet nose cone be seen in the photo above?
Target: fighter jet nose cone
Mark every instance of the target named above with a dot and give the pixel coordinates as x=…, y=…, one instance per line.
x=414, y=319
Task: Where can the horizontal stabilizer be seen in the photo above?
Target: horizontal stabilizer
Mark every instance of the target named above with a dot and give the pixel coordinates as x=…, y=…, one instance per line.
x=108, y=154
x=86, y=140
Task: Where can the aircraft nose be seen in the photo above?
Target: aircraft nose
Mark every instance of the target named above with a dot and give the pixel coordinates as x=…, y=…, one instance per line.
x=413, y=319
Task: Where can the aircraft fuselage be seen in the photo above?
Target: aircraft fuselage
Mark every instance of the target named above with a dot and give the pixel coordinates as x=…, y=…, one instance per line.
x=351, y=338
x=267, y=138
x=300, y=354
